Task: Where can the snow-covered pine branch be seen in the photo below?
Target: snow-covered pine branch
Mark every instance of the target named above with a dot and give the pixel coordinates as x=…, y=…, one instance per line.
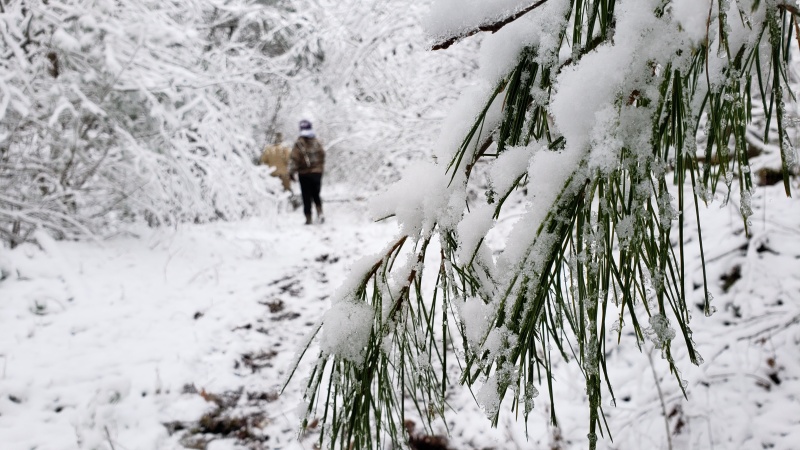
x=584, y=116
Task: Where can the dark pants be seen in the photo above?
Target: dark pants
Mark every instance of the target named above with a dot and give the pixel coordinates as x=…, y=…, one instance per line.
x=310, y=185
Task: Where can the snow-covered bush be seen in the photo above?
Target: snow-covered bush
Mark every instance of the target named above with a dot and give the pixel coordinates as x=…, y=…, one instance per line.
x=154, y=111
x=140, y=110
x=591, y=112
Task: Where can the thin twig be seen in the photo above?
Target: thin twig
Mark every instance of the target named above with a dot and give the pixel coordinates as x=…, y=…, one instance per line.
x=108, y=436
x=660, y=399
x=493, y=27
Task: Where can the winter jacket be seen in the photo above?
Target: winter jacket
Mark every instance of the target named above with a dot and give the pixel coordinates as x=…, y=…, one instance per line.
x=308, y=156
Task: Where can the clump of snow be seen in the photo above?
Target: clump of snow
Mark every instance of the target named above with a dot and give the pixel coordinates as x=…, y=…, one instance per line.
x=346, y=329
x=472, y=229
x=89, y=21
x=594, y=83
x=666, y=210
x=500, y=52
x=548, y=172
x=490, y=394
x=660, y=331
x=528, y=398
x=455, y=127
x=360, y=268
x=476, y=317
x=605, y=143
x=539, y=29
x=420, y=201
x=692, y=16
x=509, y=166
x=625, y=229
x=65, y=41
x=495, y=340
x=488, y=397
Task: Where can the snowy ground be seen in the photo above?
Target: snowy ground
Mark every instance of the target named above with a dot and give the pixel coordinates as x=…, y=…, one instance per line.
x=105, y=342
x=174, y=338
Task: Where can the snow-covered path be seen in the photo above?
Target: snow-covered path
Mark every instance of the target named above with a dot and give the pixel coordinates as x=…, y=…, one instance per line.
x=106, y=342
x=181, y=338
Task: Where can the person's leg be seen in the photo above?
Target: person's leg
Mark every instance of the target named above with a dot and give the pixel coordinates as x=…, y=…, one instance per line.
x=306, y=189
x=315, y=195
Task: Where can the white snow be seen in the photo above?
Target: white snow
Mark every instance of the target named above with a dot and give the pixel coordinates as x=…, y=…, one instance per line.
x=549, y=171
x=346, y=328
x=99, y=339
x=472, y=229
x=65, y=41
x=594, y=83
x=476, y=317
x=692, y=16
x=464, y=113
x=539, y=29
x=419, y=199
x=509, y=166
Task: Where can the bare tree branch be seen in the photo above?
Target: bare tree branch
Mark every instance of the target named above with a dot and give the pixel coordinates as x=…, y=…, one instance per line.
x=493, y=27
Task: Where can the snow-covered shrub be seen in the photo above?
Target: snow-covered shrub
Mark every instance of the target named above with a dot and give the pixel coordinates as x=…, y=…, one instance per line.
x=115, y=111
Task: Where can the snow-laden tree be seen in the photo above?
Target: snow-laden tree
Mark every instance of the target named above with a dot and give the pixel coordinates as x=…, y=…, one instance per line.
x=375, y=96
x=125, y=110
x=119, y=111
x=597, y=113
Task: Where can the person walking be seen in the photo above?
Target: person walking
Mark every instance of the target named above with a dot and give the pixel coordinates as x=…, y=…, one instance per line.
x=277, y=157
x=308, y=162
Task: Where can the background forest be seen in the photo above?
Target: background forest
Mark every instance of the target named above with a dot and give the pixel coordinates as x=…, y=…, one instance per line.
x=116, y=112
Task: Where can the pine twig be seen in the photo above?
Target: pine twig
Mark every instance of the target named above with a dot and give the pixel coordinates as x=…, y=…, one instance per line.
x=660, y=398
x=492, y=27
x=108, y=436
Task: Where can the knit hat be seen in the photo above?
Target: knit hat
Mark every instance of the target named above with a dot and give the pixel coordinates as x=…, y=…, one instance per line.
x=305, y=129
